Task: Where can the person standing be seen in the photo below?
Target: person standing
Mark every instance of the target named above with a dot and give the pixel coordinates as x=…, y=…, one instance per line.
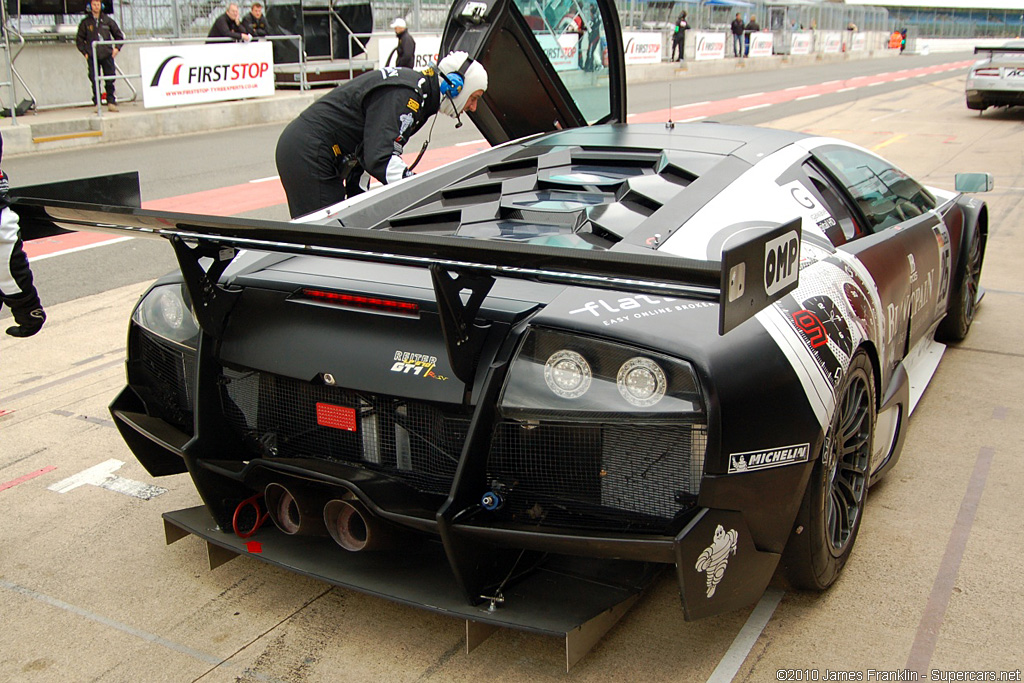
x=227, y=26
x=406, y=45
x=737, y=35
x=593, y=33
x=255, y=24
x=751, y=27
x=98, y=26
x=361, y=127
x=679, y=37
x=16, y=289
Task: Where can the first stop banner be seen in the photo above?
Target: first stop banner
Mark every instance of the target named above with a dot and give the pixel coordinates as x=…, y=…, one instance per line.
x=190, y=74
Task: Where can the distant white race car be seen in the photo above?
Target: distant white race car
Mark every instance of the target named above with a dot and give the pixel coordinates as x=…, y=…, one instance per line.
x=998, y=79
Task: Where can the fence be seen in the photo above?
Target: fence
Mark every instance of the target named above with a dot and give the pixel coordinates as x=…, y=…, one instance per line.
x=193, y=18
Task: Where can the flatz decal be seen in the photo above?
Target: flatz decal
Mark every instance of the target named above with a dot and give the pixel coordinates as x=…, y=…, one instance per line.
x=715, y=558
x=638, y=307
x=752, y=461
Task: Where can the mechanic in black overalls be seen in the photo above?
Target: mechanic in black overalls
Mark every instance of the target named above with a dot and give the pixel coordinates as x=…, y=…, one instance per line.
x=16, y=289
x=364, y=125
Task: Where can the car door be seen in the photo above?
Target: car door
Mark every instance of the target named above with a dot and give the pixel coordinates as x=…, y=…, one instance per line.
x=551, y=64
x=900, y=239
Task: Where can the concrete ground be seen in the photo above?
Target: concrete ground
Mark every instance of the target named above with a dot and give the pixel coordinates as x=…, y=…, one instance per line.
x=89, y=591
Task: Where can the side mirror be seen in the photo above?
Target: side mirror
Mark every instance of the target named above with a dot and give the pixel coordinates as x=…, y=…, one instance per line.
x=974, y=182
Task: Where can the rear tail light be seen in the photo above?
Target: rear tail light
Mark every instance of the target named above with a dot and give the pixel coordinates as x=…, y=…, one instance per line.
x=371, y=303
x=990, y=72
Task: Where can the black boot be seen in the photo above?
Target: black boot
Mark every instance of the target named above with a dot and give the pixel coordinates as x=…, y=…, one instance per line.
x=28, y=313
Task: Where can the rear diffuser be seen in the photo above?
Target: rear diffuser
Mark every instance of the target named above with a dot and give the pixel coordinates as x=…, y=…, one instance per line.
x=575, y=599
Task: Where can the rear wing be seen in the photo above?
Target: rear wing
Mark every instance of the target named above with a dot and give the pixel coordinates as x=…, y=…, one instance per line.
x=1009, y=50
x=753, y=274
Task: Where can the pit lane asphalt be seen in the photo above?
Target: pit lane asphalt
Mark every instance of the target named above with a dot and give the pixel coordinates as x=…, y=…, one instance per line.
x=89, y=592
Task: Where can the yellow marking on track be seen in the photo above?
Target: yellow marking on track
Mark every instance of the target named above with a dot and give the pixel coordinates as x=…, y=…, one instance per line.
x=886, y=143
x=69, y=136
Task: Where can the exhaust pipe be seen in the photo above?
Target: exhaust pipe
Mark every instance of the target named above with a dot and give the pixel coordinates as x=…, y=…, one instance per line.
x=355, y=528
x=295, y=516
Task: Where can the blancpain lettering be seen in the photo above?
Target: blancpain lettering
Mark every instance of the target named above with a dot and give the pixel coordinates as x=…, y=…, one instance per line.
x=762, y=460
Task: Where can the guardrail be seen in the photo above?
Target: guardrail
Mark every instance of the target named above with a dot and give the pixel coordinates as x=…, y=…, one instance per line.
x=101, y=80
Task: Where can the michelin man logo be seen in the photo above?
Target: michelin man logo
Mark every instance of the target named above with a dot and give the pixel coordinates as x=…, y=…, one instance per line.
x=739, y=464
x=405, y=121
x=715, y=558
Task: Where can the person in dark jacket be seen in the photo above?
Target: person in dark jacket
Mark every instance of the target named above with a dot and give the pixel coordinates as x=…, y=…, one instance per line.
x=16, y=289
x=679, y=37
x=406, y=45
x=227, y=26
x=361, y=127
x=99, y=26
x=751, y=27
x=737, y=35
x=255, y=24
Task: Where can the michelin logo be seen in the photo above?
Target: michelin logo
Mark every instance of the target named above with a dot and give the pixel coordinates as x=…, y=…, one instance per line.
x=762, y=460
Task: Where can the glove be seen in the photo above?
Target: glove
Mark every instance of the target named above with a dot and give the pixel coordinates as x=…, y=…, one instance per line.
x=29, y=315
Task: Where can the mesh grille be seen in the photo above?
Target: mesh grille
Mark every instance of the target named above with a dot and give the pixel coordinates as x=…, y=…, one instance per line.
x=169, y=378
x=412, y=441
x=602, y=476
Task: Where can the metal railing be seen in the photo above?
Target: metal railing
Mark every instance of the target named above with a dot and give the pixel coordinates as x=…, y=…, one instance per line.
x=101, y=79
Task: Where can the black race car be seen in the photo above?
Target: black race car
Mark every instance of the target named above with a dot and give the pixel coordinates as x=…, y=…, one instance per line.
x=532, y=378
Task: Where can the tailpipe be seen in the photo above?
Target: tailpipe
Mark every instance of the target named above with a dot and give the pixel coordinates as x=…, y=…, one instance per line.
x=293, y=514
x=356, y=529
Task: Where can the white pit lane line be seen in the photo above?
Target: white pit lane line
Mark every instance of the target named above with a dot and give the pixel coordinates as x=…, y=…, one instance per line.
x=72, y=250
x=744, y=641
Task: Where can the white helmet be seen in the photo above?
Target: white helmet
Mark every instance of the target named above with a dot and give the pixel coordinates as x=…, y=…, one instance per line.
x=464, y=77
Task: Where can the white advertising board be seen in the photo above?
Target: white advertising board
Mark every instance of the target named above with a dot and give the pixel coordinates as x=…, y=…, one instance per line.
x=190, y=74
x=800, y=44
x=859, y=42
x=642, y=47
x=832, y=42
x=708, y=45
x=561, y=52
x=427, y=48
x=761, y=44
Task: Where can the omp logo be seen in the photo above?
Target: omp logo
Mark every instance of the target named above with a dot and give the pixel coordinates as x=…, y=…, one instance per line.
x=781, y=256
x=809, y=324
x=775, y=457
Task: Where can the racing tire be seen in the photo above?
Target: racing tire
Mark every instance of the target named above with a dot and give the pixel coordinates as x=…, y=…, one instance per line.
x=976, y=105
x=963, y=301
x=833, y=505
